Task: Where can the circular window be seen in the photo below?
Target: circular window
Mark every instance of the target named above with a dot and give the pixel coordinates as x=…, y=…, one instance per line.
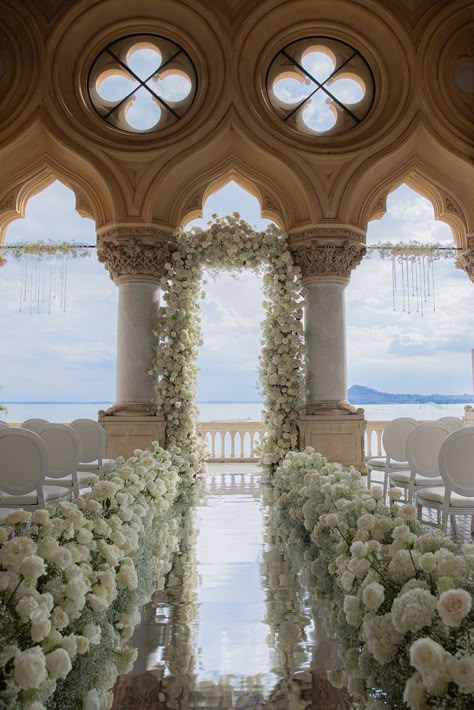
x=142, y=83
x=320, y=86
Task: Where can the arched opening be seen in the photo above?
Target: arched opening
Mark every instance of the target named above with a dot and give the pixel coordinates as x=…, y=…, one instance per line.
x=232, y=313
x=399, y=341
x=61, y=315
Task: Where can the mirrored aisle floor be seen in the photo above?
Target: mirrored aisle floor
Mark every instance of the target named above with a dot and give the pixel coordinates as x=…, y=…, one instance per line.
x=231, y=629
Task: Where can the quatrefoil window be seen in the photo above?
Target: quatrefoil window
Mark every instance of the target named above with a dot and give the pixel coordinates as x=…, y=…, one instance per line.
x=142, y=83
x=320, y=86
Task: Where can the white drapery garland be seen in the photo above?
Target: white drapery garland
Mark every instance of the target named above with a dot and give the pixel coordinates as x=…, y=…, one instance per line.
x=230, y=243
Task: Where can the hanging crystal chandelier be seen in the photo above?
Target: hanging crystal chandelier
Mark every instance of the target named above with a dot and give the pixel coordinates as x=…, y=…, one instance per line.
x=413, y=273
x=44, y=273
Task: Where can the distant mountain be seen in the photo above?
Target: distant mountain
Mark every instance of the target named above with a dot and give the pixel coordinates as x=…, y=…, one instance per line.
x=365, y=395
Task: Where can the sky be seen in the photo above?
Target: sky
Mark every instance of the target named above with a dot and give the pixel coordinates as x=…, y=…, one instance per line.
x=71, y=355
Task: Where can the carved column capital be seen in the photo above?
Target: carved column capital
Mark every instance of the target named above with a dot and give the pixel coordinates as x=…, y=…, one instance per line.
x=135, y=253
x=323, y=258
x=465, y=260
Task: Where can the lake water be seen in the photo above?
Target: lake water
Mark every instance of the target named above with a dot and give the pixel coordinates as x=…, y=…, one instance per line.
x=219, y=411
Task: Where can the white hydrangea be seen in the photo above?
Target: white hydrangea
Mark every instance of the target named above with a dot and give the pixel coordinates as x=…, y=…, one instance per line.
x=413, y=610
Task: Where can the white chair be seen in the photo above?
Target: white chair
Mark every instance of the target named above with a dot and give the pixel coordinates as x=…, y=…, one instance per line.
x=456, y=466
x=423, y=445
x=3, y=424
x=34, y=424
x=394, y=439
x=64, y=453
x=94, y=440
x=453, y=423
x=23, y=464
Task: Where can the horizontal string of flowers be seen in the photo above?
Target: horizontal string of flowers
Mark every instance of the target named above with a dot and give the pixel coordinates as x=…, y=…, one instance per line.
x=73, y=577
x=386, y=250
x=395, y=597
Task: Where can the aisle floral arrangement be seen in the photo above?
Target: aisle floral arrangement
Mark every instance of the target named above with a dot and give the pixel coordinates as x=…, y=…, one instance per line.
x=230, y=243
x=397, y=599
x=72, y=579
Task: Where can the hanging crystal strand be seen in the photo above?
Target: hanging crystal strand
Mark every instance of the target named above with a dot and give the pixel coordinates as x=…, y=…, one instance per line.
x=31, y=288
x=415, y=262
x=394, y=281
x=402, y=261
x=424, y=277
x=409, y=286
x=65, y=259
x=433, y=283
x=22, y=281
x=51, y=264
x=38, y=282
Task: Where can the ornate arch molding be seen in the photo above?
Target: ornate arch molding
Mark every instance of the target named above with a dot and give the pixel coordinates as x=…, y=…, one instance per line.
x=93, y=199
x=429, y=169
x=177, y=192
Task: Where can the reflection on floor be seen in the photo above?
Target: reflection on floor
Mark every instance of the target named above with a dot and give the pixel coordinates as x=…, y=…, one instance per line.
x=231, y=629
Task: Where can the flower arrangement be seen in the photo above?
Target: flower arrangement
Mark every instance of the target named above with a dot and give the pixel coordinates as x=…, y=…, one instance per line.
x=230, y=243
x=42, y=249
x=398, y=599
x=434, y=250
x=71, y=579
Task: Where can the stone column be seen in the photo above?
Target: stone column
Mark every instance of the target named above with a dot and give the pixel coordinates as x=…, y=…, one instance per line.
x=465, y=259
x=330, y=424
x=135, y=258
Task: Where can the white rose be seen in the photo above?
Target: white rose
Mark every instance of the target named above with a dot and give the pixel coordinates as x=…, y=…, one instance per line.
x=30, y=668
x=32, y=568
x=394, y=494
x=461, y=671
x=373, y=595
x=25, y=606
x=97, y=603
x=407, y=512
x=428, y=562
x=453, y=606
x=93, y=633
x=40, y=517
x=58, y=663
x=366, y=522
x=59, y=618
x=40, y=624
x=359, y=549
x=426, y=655
x=347, y=580
x=414, y=694
x=63, y=558
x=83, y=644
x=18, y=517
x=92, y=700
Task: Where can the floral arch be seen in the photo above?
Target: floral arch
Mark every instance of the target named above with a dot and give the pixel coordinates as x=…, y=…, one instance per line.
x=230, y=243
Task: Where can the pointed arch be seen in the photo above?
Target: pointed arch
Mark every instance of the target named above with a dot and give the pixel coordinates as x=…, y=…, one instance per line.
x=176, y=193
x=429, y=169
x=36, y=161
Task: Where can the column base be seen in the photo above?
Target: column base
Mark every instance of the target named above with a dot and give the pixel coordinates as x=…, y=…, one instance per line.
x=130, y=426
x=335, y=432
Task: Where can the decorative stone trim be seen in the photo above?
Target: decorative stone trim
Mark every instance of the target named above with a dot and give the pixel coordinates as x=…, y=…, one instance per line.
x=332, y=260
x=465, y=259
x=143, y=409
x=126, y=258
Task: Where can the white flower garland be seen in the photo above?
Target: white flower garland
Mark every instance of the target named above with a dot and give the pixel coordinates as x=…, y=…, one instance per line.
x=397, y=599
x=230, y=243
x=413, y=248
x=72, y=578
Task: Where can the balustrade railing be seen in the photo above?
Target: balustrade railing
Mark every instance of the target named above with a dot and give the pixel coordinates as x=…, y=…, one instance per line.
x=237, y=440
x=231, y=441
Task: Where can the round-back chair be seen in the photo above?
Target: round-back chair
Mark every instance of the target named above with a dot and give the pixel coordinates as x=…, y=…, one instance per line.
x=94, y=441
x=34, y=424
x=422, y=447
x=23, y=465
x=454, y=423
x=64, y=453
x=456, y=466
